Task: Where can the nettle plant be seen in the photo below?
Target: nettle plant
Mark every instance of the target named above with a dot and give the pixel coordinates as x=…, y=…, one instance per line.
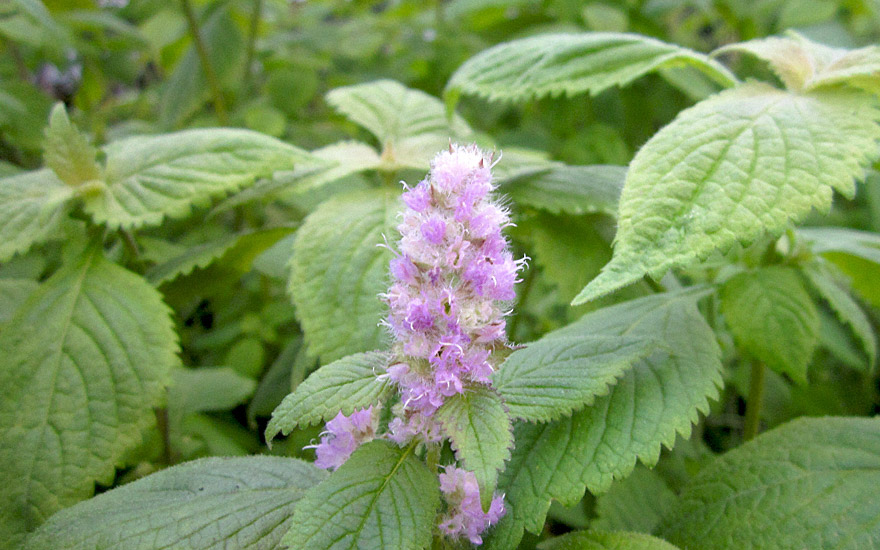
x=439, y=431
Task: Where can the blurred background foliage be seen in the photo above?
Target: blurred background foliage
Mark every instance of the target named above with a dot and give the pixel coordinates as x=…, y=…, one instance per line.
x=126, y=68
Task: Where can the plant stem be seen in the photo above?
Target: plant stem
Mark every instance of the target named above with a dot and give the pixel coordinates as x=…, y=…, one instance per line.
x=210, y=75
x=755, y=401
x=162, y=424
x=251, y=44
x=131, y=246
x=23, y=72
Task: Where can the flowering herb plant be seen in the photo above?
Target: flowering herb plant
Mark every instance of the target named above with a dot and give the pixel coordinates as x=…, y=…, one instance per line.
x=648, y=324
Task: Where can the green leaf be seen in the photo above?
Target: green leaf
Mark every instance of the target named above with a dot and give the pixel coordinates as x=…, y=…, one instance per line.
x=382, y=497
x=479, y=429
x=811, y=483
x=342, y=386
x=207, y=504
x=84, y=362
x=240, y=249
x=565, y=371
x=29, y=22
x=636, y=503
x=68, y=152
x=802, y=64
x=773, y=318
x=601, y=540
x=855, y=253
x=338, y=271
x=410, y=125
x=862, y=244
x=741, y=164
x=187, y=89
x=569, y=189
x=151, y=177
x=207, y=389
x=31, y=210
x=659, y=397
x=342, y=160
x=844, y=306
x=13, y=293
x=557, y=64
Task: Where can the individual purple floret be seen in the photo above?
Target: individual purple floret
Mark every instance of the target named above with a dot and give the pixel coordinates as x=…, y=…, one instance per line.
x=451, y=277
x=343, y=435
x=465, y=516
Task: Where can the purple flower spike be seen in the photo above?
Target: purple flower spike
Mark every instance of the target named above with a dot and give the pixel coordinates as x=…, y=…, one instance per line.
x=343, y=435
x=464, y=515
x=449, y=282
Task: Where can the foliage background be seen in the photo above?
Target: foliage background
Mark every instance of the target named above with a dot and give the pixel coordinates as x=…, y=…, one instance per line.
x=252, y=308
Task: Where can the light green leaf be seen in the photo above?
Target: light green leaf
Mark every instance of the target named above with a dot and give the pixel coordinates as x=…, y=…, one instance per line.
x=636, y=503
x=844, y=306
x=603, y=540
x=13, y=293
x=806, y=65
x=342, y=160
x=479, y=429
x=382, y=497
x=151, y=177
x=210, y=504
x=84, y=362
x=569, y=189
x=31, y=210
x=338, y=270
x=410, y=125
x=68, y=152
x=658, y=398
x=773, y=318
x=565, y=371
x=557, y=64
x=741, y=164
x=811, y=483
x=342, y=386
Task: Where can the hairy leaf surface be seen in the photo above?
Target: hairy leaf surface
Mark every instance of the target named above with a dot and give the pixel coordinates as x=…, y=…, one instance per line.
x=805, y=65
x=245, y=503
x=342, y=159
x=84, y=362
x=561, y=373
x=31, y=210
x=410, y=125
x=342, y=386
x=741, y=164
x=569, y=189
x=382, y=497
x=149, y=178
x=811, y=483
x=68, y=152
x=605, y=540
x=556, y=64
x=481, y=435
x=773, y=318
x=338, y=271
x=658, y=398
